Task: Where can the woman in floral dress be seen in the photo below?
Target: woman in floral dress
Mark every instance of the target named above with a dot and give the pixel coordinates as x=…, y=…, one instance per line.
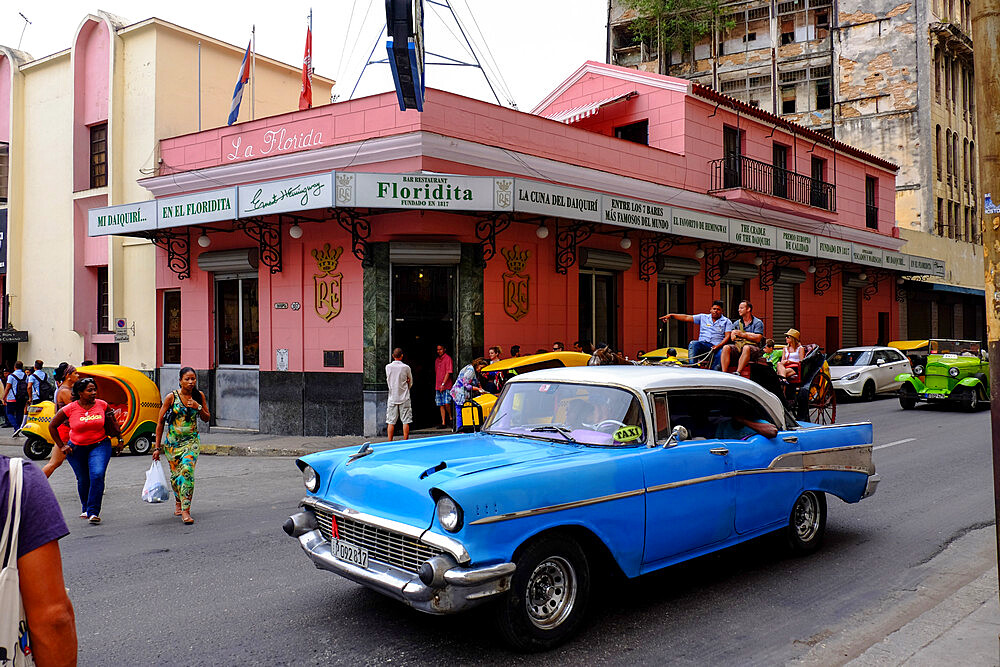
x=179, y=414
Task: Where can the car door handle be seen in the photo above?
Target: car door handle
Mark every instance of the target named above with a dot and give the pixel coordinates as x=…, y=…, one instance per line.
x=791, y=438
x=719, y=451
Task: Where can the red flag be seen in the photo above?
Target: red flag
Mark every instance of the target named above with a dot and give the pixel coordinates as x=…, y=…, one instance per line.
x=306, y=96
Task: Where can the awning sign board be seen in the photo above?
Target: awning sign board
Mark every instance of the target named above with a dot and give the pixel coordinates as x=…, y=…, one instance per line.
x=634, y=213
x=287, y=195
x=196, y=209
x=124, y=219
x=699, y=225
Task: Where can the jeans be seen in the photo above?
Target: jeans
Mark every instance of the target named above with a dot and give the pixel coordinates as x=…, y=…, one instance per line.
x=699, y=347
x=10, y=414
x=89, y=463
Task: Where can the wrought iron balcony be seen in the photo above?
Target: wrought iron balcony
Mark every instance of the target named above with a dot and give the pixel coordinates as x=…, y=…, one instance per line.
x=737, y=171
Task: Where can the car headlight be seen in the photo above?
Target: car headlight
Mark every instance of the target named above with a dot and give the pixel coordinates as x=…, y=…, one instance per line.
x=953, y=371
x=449, y=514
x=310, y=479
x=852, y=376
x=918, y=370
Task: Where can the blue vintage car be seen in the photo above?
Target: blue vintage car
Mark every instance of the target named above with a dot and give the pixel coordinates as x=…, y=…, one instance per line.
x=579, y=473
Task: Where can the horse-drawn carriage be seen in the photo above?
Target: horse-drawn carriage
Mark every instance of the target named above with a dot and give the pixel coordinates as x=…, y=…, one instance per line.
x=808, y=393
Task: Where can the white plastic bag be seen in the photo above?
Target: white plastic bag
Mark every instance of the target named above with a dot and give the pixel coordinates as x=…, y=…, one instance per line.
x=156, y=489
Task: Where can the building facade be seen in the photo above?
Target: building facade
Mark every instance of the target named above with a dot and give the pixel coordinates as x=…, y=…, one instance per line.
x=896, y=78
x=77, y=128
x=296, y=251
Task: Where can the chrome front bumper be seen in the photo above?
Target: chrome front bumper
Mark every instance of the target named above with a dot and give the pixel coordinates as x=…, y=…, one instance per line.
x=873, y=481
x=454, y=589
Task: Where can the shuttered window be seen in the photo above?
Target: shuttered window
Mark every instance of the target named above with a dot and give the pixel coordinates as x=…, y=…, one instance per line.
x=849, y=335
x=783, y=310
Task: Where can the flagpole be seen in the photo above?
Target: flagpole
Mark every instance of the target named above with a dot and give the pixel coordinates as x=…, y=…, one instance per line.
x=253, y=71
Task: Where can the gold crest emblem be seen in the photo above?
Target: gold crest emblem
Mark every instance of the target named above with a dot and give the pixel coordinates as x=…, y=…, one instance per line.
x=327, y=285
x=515, y=285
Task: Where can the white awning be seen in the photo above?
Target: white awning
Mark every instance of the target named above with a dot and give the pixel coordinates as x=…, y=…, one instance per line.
x=575, y=114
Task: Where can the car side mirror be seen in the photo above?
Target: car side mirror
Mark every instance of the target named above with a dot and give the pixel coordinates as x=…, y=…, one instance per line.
x=880, y=362
x=679, y=434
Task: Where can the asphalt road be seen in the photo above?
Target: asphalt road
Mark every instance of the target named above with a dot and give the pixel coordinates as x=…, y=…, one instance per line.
x=233, y=589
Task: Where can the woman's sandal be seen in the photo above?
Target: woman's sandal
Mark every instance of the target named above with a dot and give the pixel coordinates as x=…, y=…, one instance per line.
x=188, y=520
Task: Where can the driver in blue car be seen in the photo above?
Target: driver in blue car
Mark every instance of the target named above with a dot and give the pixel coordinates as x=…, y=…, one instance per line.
x=739, y=427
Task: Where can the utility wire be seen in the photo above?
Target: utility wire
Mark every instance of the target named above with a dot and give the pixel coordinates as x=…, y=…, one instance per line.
x=493, y=63
x=343, y=46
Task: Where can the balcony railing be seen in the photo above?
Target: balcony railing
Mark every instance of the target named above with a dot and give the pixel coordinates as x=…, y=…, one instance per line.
x=737, y=171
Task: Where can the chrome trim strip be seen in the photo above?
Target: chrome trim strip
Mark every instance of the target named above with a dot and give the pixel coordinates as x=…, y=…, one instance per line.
x=465, y=577
x=557, y=508
x=774, y=467
x=452, y=546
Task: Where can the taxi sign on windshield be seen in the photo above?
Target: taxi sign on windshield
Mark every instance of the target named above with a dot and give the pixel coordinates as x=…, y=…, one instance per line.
x=628, y=433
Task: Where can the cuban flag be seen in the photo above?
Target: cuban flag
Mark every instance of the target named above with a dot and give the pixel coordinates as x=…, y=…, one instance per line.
x=234, y=110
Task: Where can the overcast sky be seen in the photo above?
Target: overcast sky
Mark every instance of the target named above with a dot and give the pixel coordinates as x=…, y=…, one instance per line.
x=535, y=44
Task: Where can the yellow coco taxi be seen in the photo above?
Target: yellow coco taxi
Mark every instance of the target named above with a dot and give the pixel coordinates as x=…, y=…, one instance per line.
x=134, y=398
x=476, y=410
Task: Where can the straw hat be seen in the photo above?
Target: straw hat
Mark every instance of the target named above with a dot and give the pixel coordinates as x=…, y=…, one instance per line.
x=794, y=333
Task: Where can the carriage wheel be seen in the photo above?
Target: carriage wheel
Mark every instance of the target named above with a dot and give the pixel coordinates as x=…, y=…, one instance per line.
x=822, y=400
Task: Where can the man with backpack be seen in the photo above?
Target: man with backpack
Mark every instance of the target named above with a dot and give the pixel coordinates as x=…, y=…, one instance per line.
x=39, y=387
x=15, y=394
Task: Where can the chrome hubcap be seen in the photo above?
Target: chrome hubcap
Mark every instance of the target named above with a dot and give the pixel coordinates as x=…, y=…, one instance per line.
x=805, y=516
x=551, y=593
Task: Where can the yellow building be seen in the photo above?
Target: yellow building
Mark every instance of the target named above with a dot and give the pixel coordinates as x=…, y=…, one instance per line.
x=77, y=129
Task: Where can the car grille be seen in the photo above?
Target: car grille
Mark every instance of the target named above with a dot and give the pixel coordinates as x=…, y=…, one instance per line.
x=936, y=382
x=384, y=545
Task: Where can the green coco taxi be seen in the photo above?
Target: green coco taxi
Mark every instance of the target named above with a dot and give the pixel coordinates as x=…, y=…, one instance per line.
x=961, y=375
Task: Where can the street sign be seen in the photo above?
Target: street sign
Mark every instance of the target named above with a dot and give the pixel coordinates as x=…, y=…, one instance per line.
x=121, y=330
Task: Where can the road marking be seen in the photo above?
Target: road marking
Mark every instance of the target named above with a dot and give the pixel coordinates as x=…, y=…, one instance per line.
x=893, y=444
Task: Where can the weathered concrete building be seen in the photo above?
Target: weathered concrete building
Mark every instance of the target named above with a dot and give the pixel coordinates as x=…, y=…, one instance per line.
x=891, y=76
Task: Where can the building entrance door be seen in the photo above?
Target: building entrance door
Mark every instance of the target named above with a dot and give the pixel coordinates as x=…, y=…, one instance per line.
x=423, y=317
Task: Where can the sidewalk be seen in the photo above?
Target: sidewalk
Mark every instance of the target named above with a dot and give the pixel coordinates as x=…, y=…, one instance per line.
x=951, y=618
x=223, y=442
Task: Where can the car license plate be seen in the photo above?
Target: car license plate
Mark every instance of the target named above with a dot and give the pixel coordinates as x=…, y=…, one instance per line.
x=935, y=396
x=350, y=553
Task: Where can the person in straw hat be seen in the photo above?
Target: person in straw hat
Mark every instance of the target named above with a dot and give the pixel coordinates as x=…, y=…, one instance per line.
x=791, y=356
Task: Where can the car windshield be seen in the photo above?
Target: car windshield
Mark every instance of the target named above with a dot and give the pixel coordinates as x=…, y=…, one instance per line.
x=966, y=347
x=850, y=358
x=578, y=413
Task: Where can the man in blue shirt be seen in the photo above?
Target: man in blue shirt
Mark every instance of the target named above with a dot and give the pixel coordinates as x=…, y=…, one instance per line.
x=745, y=336
x=712, y=328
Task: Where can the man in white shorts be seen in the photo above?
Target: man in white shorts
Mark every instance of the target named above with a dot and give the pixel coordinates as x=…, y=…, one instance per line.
x=400, y=379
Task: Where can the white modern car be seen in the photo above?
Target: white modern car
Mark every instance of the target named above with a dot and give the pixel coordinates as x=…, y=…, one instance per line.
x=866, y=371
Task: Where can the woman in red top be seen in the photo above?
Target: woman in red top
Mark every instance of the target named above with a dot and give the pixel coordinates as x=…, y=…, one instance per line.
x=88, y=449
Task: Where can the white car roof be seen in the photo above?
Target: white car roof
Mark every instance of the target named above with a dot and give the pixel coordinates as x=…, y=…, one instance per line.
x=651, y=378
x=865, y=348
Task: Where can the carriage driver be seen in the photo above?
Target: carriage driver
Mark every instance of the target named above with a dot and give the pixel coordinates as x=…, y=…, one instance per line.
x=712, y=328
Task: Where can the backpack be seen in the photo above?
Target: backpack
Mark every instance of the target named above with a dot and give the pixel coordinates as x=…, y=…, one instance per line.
x=20, y=386
x=46, y=392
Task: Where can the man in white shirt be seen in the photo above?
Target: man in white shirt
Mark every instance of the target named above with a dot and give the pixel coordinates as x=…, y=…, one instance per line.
x=400, y=379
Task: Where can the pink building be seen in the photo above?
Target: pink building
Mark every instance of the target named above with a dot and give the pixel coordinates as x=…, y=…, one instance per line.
x=299, y=249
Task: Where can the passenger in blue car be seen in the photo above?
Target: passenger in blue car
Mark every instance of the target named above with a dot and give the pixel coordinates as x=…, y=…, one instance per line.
x=740, y=428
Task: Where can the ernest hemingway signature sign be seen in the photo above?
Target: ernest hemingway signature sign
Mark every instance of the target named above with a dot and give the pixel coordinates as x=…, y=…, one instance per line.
x=291, y=194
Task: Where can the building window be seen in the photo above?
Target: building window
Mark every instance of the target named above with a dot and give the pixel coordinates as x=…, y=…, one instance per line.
x=237, y=321
x=871, y=202
x=103, y=301
x=937, y=74
x=788, y=99
x=966, y=230
x=822, y=20
x=787, y=31
x=818, y=193
x=107, y=353
x=598, y=307
x=946, y=73
x=4, y=170
x=779, y=160
x=937, y=150
x=172, y=327
x=732, y=146
x=637, y=133
x=947, y=153
x=823, y=94
x=671, y=297
x=972, y=166
x=940, y=217
x=965, y=164
x=99, y=155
